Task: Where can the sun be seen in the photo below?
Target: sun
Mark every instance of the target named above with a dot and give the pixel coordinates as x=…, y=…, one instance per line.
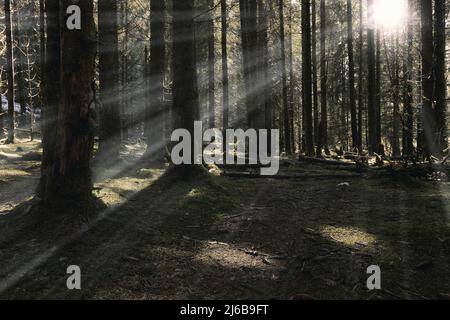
x=390, y=14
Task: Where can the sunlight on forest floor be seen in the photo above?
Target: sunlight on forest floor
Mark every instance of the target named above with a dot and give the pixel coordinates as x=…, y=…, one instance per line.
x=347, y=236
x=17, y=177
x=226, y=256
x=228, y=238
x=118, y=184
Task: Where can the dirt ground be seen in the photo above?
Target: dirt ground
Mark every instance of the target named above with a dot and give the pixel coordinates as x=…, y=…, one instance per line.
x=222, y=237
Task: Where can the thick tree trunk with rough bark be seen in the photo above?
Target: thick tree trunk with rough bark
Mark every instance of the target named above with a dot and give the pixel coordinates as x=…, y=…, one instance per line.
x=185, y=87
x=66, y=175
x=74, y=137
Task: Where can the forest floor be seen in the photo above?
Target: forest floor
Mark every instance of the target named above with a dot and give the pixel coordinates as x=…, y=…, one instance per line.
x=220, y=237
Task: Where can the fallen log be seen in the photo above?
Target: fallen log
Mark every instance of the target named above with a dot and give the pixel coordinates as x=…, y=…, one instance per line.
x=9, y=156
x=325, y=161
x=250, y=175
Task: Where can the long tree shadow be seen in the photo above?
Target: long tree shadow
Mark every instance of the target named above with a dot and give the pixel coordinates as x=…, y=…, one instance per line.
x=228, y=238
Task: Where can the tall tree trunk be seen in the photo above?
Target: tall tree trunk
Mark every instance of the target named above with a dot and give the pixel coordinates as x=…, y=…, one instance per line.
x=74, y=137
x=428, y=120
x=9, y=72
x=287, y=129
x=379, y=146
x=19, y=68
x=248, y=19
x=360, y=79
x=211, y=68
x=66, y=176
x=155, y=115
x=30, y=87
x=440, y=73
x=408, y=127
x=396, y=100
x=185, y=88
x=109, y=144
x=42, y=49
x=266, y=78
x=351, y=71
x=314, y=70
x=323, y=140
x=371, y=82
x=125, y=76
x=225, y=89
x=344, y=109
x=51, y=93
x=307, y=75
x=291, y=76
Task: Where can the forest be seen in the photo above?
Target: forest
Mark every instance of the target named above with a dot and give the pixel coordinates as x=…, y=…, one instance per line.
x=224, y=149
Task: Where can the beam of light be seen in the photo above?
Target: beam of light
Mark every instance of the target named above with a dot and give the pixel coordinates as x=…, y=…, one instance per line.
x=14, y=277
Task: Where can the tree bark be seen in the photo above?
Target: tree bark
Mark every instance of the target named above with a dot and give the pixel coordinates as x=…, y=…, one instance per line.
x=50, y=92
x=19, y=69
x=74, y=137
x=291, y=77
x=380, y=147
x=351, y=71
x=314, y=70
x=323, y=140
x=307, y=76
x=440, y=73
x=371, y=81
x=360, y=79
x=396, y=101
x=286, y=118
x=408, y=126
x=42, y=49
x=185, y=88
x=66, y=175
x=109, y=144
x=428, y=117
x=225, y=89
x=124, y=72
x=267, y=95
x=155, y=114
x=211, y=68
x=10, y=72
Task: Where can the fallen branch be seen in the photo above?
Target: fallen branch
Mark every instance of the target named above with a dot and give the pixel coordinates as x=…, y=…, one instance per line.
x=249, y=175
x=324, y=161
